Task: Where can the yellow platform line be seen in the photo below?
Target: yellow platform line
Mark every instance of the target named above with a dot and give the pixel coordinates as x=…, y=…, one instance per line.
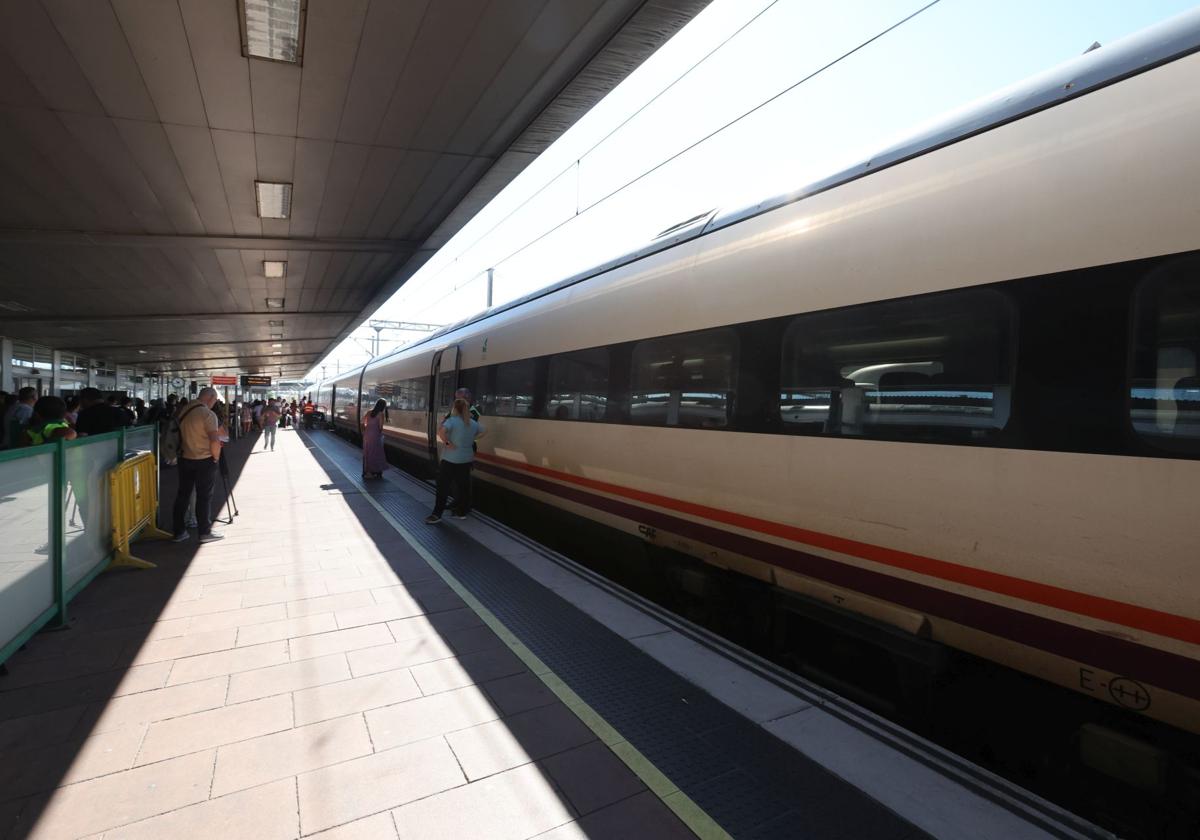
x=691, y=814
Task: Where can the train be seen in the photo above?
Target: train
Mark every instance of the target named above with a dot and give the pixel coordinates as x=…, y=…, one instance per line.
x=950, y=396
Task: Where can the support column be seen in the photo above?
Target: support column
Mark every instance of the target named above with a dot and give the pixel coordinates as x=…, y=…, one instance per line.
x=55, y=372
x=6, y=374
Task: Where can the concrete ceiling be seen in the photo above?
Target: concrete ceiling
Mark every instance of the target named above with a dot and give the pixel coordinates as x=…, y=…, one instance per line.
x=132, y=132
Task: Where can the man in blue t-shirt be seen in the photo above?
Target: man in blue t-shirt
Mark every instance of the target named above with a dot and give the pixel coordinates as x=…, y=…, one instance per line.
x=458, y=434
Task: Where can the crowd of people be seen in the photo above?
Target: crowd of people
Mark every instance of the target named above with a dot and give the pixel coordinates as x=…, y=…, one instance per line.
x=193, y=432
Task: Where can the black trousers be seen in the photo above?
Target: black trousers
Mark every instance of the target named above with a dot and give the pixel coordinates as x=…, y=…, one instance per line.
x=202, y=476
x=458, y=475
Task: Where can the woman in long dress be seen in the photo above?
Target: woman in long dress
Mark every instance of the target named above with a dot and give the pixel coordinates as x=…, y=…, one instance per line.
x=374, y=461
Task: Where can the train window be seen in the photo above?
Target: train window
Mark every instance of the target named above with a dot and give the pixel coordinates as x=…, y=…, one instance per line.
x=1165, y=388
x=345, y=403
x=684, y=380
x=578, y=385
x=930, y=368
x=410, y=394
x=513, y=395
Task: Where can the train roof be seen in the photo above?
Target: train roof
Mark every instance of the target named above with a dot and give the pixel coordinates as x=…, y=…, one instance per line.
x=1156, y=45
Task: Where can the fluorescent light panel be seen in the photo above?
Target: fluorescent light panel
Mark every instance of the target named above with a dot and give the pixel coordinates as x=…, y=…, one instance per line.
x=273, y=29
x=274, y=303
x=274, y=268
x=274, y=199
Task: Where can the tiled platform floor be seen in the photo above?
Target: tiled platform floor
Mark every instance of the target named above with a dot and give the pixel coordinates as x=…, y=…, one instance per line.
x=310, y=675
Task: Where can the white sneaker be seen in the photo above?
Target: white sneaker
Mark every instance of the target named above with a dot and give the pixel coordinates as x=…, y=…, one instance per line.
x=182, y=536
x=211, y=536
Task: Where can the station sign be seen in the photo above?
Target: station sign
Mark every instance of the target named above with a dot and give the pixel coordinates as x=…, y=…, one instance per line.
x=250, y=381
x=224, y=380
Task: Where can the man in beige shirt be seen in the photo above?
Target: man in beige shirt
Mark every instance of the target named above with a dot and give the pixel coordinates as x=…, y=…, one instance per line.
x=199, y=452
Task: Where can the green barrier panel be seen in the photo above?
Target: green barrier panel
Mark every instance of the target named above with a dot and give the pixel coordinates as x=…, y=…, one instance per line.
x=29, y=572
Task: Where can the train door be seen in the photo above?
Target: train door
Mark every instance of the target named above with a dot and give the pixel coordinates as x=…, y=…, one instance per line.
x=443, y=381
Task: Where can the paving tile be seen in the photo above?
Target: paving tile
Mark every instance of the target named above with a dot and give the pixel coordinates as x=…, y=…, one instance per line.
x=288, y=628
x=45, y=768
x=284, y=594
x=436, y=624
x=592, y=777
x=22, y=673
x=394, y=594
x=425, y=717
x=189, y=733
x=103, y=644
x=643, y=815
x=228, y=662
x=39, y=730
x=10, y=813
x=120, y=798
x=377, y=612
x=356, y=695
x=513, y=805
x=344, y=792
x=201, y=606
x=263, y=813
x=398, y=655
x=289, y=676
x=237, y=618
x=472, y=639
x=503, y=744
x=329, y=603
x=183, y=646
x=284, y=754
x=354, y=584
x=466, y=670
x=242, y=586
x=81, y=690
x=282, y=569
x=519, y=693
x=340, y=641
x=378, y=827
x=160, y=704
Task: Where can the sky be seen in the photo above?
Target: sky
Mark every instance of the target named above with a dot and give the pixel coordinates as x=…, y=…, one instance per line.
x=752, y=99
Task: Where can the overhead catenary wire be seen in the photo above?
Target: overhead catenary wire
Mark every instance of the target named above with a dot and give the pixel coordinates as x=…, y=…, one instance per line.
x=674, y=156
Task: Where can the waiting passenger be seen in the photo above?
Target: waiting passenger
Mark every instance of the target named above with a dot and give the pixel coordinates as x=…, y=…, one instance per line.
x=270, y=418
x=72, y=410
x=458, y=433
x=48, y=423
x=200, y=437
x=374, y=459
x=18, y=415
x=97, y=415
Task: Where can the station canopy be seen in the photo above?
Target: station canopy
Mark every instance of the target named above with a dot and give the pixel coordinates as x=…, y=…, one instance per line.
x=200, y=185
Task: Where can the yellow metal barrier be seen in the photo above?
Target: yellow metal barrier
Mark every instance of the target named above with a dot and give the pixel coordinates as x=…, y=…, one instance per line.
x=134, y=507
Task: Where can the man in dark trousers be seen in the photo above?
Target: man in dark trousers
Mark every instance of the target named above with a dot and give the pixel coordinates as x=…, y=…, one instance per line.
x=200, y=451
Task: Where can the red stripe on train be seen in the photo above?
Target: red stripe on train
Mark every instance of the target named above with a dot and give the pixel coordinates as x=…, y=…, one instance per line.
x=1130, y=615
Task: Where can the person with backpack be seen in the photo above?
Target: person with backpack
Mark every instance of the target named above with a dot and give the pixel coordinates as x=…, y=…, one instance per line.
x=200, y=450
x=270, y=417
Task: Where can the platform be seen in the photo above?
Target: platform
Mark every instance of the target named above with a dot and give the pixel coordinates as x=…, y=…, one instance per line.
x=336, y=668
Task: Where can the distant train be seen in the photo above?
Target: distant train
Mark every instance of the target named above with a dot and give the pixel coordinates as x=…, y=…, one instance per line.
x=952, y=393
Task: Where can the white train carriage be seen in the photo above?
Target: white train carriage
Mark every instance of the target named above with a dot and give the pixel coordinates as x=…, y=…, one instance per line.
x=954, y=391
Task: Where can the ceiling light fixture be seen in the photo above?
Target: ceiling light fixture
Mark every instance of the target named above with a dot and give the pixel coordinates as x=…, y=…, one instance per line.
x=274, y=199
x=273, y=29
x=276, y=336
x=274, y=303
x=276, y=345
x=143, y=352
x=274, y=268
x=275, y=323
